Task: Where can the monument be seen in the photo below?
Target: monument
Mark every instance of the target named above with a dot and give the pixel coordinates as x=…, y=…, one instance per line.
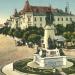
x=49, y=56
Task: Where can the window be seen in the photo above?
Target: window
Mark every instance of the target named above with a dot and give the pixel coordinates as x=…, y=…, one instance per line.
x=58, y=19
x=35, y=19
x=40, y=18
x=16, y=22
x=70, y=19
x=29, y=19
x=66, y=19
x=62, y=19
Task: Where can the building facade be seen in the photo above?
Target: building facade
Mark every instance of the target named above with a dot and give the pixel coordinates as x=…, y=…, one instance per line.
x=35, y=16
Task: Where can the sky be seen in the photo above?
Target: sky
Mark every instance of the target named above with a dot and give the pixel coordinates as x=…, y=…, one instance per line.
x=7, y=6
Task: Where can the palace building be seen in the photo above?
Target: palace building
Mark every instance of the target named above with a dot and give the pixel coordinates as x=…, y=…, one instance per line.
x=35, y=16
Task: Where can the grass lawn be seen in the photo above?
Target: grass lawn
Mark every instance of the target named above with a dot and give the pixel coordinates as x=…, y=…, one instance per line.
x=71, y=69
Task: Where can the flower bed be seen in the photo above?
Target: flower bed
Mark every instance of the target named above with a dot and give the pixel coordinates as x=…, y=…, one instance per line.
x=22, y=67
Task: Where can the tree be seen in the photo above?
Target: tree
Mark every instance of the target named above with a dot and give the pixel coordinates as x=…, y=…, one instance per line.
x=34, y=38
x=70, y=27
x=26, y=34
x=60, y=29
x=18, y=33
x=68, y=35
x=73, y=35
x=33, y=30
x=5, y=30
x=41, y=31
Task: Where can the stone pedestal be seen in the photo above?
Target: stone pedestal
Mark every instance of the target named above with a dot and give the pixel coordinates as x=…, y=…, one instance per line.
x=49, y=33
x=50, y=62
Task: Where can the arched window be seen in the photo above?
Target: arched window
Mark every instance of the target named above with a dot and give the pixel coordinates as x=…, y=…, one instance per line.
x=62, y=19
x=40, y=18
x=58, y=19
x=66, y=19
x=70, y=19
x=34, y=18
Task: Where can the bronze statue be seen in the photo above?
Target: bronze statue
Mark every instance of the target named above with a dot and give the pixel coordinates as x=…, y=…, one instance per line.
x=49, y=17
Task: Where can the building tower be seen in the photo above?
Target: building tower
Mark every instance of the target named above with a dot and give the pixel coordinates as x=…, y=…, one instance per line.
x=27, y=7
x=67, y=8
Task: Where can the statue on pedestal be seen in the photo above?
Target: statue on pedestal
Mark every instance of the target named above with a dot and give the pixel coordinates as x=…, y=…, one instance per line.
x=49, y=31
x=49, y=17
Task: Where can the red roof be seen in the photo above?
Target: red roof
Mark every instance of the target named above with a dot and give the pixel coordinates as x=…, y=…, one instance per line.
x=39, y=9
x=42, y=9
x=27, y=7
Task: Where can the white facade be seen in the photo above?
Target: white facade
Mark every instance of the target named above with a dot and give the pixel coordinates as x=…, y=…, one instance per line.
x=64, y=20
x=35, y=16
x=28, y=19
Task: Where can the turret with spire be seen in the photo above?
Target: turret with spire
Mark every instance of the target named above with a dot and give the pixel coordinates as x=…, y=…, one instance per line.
x=67, y=8
x=16, y=13
x=27, y=7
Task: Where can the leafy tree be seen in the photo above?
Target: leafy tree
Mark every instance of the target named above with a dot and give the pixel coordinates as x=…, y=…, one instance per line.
x=34, y=38
x=18, y=33
x=24, y=34
x=70, y=27
x=5, y=30
x=73, y=35
x=60, y=29
x=41, y=31
x=33, y=30
x=67, y=35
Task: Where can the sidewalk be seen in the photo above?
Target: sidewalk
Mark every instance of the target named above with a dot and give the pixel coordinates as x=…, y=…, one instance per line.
x=8, y=70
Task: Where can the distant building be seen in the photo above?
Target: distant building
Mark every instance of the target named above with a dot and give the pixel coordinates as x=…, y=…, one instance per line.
x=35, y=16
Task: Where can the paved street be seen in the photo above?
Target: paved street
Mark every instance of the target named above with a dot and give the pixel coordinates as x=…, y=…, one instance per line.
x=10, y=53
